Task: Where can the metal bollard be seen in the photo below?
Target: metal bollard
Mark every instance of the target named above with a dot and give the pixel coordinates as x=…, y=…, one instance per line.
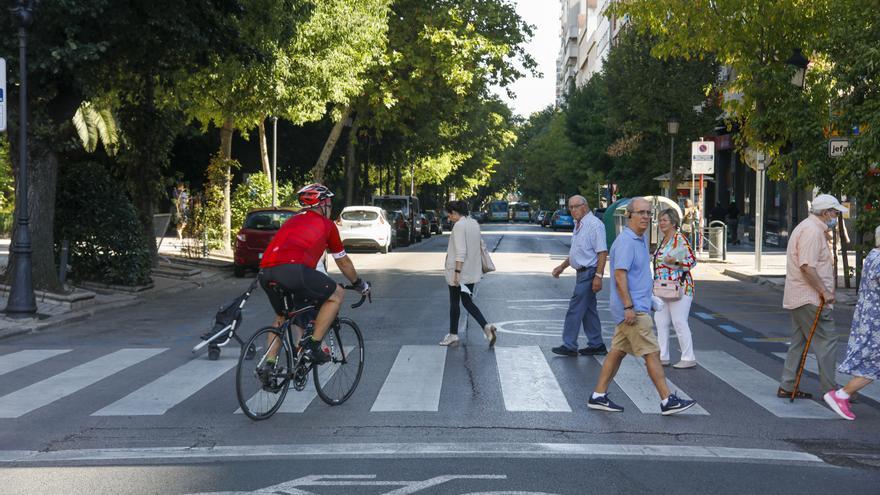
x=62, y=264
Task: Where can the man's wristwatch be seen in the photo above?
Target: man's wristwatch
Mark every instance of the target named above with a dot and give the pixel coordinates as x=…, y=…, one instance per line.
x=457, y=271
x=628, y=308
x=598, y=275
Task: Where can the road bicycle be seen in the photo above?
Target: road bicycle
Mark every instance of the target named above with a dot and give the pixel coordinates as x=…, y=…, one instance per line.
x=261, y=388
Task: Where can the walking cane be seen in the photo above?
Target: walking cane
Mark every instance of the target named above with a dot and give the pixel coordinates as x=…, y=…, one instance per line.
x=806, y=350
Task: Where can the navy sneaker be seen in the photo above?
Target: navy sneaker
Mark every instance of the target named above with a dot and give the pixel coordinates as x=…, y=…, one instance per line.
x=674, y=405
x=599, y=350
x=564, y=351
x=603, y=404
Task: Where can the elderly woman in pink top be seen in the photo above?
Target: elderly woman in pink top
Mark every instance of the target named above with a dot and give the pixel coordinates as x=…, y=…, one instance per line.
x=809, y=281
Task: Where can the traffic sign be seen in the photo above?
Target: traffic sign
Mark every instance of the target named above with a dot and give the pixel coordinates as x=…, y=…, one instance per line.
x=703, y=157
x=2, y=94
x=837, y=147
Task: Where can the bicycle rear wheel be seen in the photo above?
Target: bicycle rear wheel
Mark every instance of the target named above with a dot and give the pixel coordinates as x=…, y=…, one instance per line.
x=261, y=388
x=335, y=381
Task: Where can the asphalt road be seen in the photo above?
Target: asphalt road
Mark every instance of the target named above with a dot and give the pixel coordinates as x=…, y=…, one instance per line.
x=118, y=403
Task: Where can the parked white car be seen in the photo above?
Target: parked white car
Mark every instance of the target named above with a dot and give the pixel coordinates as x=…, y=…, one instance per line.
x=365, y=227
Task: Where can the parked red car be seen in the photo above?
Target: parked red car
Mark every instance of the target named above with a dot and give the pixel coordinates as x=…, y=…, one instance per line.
x=257, y=230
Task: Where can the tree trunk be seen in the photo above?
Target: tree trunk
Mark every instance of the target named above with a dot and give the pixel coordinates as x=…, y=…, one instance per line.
x=226, y=154
x=321, y=166
x=365, y=181
x=42, y=178
x=397, y=183
x=264, y=150
x=352, y=168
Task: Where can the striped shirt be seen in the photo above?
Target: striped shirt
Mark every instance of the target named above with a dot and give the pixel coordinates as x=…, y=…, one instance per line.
x=808, y=245
x=587, y=241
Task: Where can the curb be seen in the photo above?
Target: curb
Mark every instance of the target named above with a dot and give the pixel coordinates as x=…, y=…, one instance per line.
x=62, y=319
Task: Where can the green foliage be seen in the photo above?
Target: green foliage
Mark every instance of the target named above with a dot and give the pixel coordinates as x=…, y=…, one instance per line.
x=7, y=181
x=208, y=218
x=256, y=192
x=94, y=215
x=94, y=125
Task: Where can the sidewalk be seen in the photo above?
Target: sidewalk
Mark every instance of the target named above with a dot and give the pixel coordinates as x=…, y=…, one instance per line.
x=174, y=273
x=740, y=264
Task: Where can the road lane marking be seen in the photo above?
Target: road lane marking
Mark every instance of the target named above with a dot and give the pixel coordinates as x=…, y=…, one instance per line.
x=759, y=387
x=415, y=380
x=172, y=388
x=632, y=377
x=45, y=392
x=704, y=316
x=20, y=359
x=416, y=450
x=872, y=391
x=729, y=328
x=527, y=382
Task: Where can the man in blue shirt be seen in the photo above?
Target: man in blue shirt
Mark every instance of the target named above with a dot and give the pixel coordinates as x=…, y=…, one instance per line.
x=587, y=256
x=632, y=283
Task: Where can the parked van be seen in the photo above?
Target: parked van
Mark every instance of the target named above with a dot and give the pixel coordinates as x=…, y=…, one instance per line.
x=409, y=205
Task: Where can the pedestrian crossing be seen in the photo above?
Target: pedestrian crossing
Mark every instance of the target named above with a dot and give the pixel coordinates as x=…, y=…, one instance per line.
x=529, y=380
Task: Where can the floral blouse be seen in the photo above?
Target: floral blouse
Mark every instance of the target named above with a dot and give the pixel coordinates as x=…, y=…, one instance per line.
x=677, y=271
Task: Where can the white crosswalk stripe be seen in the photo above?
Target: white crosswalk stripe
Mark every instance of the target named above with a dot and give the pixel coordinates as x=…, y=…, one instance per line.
x=172, y=388
x=20, y=359
x=527, y=382
x=872, y=391
x=414, y=381
x=632, y=377
x=45, y=392
x=759, y=387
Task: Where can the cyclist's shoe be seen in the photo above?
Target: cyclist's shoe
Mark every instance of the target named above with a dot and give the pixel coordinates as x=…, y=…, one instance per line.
x=313, y=351
x=271, y=376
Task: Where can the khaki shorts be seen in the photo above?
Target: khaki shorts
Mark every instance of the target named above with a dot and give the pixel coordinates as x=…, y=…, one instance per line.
x=637, y=339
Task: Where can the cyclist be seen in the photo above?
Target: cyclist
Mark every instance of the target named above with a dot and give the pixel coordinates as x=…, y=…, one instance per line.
x=290, y=261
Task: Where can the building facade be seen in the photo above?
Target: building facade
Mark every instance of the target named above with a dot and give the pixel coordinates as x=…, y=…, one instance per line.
x=586, y=38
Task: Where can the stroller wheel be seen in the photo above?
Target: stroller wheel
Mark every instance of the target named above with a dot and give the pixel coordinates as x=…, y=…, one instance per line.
x=249, y=354
x=213, y=353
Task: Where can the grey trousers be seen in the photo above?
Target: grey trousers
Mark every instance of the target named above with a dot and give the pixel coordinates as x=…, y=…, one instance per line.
x=823, y=346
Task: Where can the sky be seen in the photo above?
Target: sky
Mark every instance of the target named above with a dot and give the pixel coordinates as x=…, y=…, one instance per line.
x=532, y=93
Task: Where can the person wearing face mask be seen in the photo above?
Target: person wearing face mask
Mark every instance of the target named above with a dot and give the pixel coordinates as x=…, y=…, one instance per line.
x=809, y=280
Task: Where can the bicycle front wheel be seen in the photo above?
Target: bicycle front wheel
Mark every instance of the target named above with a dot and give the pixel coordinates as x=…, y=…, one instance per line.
x=260, y=386
x=336, y=380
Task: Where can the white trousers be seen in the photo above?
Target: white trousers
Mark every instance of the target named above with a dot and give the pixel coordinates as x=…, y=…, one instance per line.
x=675, y=313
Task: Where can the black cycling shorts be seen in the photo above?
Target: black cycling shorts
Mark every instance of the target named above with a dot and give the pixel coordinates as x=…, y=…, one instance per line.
x=302, y=282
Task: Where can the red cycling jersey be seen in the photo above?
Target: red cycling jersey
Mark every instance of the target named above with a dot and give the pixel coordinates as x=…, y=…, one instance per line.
x=302, y=240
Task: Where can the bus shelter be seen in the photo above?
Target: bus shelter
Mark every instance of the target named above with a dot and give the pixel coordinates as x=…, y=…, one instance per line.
x=615, y=217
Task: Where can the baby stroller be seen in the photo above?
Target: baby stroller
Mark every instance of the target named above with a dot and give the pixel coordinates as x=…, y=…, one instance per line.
x=226, y=322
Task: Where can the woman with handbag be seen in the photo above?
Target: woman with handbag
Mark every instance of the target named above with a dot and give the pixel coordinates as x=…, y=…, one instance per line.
x=673, y=283
x=464, y=268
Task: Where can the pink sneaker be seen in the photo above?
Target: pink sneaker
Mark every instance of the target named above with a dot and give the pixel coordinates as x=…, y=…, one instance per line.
x=838, y=405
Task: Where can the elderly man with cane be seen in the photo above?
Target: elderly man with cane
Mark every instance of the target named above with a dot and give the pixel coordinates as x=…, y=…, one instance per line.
x=809, y=296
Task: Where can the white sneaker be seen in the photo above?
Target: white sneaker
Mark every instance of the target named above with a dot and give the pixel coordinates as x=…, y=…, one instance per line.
x=450, y=339
x=489, y=330
x=683, y=365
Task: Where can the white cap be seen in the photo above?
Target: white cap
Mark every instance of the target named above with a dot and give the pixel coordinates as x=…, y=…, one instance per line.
x=824, y=202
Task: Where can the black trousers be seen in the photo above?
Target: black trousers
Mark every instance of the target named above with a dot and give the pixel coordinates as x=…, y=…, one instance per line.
x=457, y=297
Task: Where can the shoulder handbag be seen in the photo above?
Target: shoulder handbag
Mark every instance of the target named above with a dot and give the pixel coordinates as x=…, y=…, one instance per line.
x=485, y=259
x=667, y=289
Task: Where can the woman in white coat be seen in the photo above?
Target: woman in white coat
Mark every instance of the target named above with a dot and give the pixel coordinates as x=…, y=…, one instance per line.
x=464, y=268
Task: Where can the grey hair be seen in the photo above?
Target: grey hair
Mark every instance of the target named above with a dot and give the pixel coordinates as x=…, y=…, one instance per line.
x=672, y=215
x=630, y=206
x=581, y=198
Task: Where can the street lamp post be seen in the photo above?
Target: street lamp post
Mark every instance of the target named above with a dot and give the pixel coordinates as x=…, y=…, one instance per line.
x=21, y=302
x=800, y=63
x=274, y=161
x=672, y=127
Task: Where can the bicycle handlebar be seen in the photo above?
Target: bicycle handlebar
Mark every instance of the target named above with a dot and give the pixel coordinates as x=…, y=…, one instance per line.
x=364, y=297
